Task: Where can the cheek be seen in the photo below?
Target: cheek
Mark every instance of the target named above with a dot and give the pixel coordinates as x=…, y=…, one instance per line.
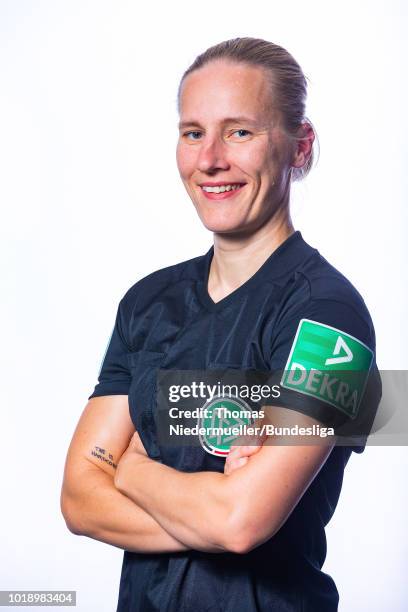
x=257, y=160
x=248, y=160
x=273, y=164
x=185, y=160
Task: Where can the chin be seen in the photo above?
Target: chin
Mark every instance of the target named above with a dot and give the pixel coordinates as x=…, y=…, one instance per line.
x=218, y=223
x=223, y=227
x=216, y=229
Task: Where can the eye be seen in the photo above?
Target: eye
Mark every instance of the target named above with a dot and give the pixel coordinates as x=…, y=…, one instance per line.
x=241, y=132
x=193, y=134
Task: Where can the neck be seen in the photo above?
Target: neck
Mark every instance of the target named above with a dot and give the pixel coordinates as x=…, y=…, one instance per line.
x=237, y=258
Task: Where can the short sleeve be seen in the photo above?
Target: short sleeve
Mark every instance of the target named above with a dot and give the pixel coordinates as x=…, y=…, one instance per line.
x=324, y=331
x=114, y=375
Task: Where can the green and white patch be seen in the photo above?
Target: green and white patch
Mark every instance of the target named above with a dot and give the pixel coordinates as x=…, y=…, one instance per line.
x=223, y=415
x=326, y=363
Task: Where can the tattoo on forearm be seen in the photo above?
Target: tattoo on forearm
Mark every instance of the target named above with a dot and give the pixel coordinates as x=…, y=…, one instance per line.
x=101, y=454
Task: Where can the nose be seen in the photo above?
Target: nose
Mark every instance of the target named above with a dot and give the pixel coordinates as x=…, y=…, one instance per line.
x=212, y=155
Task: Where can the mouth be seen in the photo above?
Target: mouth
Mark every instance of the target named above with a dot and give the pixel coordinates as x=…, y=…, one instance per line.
x=221, y=191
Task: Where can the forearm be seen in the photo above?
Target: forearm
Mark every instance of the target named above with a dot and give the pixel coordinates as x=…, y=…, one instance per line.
x=98, y=510
x=193, y=507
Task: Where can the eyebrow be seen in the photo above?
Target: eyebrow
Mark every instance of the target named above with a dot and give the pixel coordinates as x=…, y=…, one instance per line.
x=239, y=119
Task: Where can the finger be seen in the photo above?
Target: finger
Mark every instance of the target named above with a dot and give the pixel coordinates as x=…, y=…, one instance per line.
x=241, y=461
x=235, y=462
x=235, y=454
x=229, y=467
x=243, y=451
x=238, y=463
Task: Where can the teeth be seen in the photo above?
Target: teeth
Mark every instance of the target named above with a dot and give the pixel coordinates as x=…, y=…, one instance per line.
x=221, y=189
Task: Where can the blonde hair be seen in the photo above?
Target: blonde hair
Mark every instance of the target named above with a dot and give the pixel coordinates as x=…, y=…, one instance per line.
x=288, y=83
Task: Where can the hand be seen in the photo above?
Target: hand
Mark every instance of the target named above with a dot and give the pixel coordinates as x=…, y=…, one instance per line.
x=136, y=445
x=133, y=455
x=239, y=454
x=134, y=452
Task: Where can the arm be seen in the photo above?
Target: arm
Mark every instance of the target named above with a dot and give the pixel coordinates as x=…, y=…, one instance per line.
x=90, y=502
x=232, y=511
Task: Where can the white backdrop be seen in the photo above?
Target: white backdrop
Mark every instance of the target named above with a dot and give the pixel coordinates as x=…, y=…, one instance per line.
x=92, y=201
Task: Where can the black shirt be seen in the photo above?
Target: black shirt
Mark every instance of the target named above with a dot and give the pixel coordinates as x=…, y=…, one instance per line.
x=167, y=320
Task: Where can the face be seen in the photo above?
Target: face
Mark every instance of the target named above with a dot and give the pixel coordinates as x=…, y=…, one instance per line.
x=232, y=155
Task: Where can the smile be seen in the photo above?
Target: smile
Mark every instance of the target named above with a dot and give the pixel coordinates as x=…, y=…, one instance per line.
x=220, y=192
x=221, y=188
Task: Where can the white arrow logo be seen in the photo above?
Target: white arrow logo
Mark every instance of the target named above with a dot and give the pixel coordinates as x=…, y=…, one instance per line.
x=340, y=344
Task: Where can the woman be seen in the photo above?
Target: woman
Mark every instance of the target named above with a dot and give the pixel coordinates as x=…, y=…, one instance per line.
x=202, y=532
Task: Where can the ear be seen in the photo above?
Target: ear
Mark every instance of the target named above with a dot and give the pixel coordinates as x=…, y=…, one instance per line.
x=303, y=146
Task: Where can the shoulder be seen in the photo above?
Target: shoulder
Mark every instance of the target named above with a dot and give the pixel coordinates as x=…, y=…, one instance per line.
x=326, y=283
x=152, y=285
x=320, y=292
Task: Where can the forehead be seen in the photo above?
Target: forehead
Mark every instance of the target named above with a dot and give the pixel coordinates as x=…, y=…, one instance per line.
x=223, y=89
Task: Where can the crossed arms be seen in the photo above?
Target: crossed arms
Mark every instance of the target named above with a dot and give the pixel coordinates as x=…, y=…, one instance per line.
x=122, y=497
